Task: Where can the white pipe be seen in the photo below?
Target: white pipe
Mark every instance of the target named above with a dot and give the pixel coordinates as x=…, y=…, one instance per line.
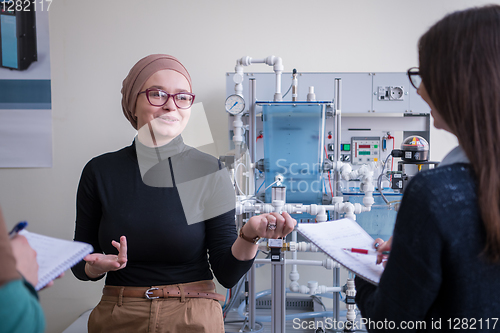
x=365, y=172
x=237, y=130
x=277, y=64
x=293, y=262
x=294, y=247
x=312, y=288
x=327, y=263
x=278, y=69
x=306, y=247
x=350, y=291
x=318, y=210
x=294, y=273
x=238, y=79
x=257, y=61
x=321, y=215
x=237, y=123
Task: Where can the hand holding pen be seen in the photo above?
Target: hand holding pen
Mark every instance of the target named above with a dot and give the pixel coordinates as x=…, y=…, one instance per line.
x=382, y=250
x=25, y=256
x=26, y=262
x=381, y=247
x=17, y=228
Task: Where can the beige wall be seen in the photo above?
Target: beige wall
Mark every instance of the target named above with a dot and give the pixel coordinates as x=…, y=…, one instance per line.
x=94, y=43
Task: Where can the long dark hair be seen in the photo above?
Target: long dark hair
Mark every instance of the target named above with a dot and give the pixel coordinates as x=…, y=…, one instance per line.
x=460, y=68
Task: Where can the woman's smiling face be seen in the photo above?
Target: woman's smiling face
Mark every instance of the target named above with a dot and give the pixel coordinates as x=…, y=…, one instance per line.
x=167, y=121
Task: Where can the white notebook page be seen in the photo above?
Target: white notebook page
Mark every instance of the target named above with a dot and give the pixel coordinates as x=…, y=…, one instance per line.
x=331, y=237
x=54, y=255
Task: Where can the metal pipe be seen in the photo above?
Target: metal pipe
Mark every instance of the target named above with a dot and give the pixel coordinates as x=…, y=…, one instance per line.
x=338, y=132
x=253, y=126
x=278, y=296
x=338, y=129
x=252, y=301
x=293, y=262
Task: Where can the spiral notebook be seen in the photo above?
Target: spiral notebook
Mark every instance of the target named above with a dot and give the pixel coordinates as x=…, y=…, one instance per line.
x=331, y=237
x=54, y=255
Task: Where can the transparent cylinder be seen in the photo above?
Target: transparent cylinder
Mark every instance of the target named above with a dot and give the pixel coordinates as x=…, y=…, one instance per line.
x=293, y=148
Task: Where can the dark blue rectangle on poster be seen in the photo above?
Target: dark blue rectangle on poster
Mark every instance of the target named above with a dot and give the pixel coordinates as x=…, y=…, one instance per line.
x=25, y=94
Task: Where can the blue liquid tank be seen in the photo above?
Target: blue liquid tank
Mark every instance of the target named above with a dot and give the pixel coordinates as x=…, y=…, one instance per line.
x=293, y=145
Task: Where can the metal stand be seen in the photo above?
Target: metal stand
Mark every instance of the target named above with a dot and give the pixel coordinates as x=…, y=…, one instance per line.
x=251, y=298
x=278, y=291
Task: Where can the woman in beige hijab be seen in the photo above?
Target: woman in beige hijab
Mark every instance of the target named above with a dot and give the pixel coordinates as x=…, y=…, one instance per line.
x=160, y=216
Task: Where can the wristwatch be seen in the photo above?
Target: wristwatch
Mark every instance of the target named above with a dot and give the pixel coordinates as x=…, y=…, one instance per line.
x=248, y=239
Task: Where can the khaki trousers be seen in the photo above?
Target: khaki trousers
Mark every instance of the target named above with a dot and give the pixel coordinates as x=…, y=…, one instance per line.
x=161, y=315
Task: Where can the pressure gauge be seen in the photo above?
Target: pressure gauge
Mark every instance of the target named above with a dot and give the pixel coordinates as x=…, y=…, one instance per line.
x=235, y=104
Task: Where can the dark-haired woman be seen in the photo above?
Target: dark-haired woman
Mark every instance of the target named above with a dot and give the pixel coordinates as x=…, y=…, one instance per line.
x=444, y=268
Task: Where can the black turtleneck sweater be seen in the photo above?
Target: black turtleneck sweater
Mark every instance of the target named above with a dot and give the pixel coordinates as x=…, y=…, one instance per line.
x=163, y=248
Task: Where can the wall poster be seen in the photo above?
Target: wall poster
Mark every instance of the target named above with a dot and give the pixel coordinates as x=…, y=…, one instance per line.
x=25, y=86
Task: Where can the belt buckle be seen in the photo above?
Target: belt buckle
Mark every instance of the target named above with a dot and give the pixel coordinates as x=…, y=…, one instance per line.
x=150, y=292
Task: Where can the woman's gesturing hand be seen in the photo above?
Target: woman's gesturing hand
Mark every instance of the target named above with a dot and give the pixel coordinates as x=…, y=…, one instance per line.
x=98, y=264
x=271, y=225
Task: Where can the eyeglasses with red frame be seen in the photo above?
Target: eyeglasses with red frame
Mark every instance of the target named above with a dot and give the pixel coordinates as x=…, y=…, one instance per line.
x=158, y=97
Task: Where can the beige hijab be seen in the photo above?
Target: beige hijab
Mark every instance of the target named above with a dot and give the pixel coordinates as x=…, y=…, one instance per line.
x=140, y=73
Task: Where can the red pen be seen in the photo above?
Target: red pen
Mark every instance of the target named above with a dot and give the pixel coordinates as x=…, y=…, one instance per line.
x=364, y=251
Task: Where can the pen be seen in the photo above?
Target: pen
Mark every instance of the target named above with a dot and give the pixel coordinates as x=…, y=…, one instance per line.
x=364, y=251
x=18, y=227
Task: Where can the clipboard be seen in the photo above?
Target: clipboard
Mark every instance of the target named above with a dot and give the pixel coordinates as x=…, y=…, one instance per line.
x=332, y=236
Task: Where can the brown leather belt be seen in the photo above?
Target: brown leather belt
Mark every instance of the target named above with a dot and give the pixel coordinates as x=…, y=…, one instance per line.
x=199, y=289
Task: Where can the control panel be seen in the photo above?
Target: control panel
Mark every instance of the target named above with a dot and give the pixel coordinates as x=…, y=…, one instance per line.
x=364, y=149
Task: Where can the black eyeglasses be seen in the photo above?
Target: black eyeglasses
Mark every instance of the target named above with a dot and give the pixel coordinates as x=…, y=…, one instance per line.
x=414, y=76
x=158, y=97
